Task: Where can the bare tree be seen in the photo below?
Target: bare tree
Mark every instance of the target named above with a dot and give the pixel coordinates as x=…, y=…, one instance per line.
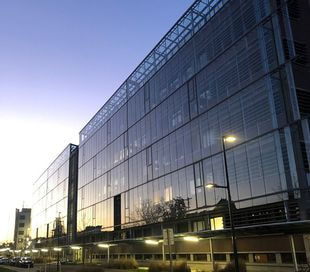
x=151, y=212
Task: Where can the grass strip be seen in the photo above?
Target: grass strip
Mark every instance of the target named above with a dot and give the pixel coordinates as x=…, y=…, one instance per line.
x=4, y=269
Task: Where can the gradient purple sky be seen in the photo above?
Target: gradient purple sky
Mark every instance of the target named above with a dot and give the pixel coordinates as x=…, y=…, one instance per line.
x=60, y=60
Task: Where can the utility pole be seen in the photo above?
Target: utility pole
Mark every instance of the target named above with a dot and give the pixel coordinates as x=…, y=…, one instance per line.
x=230, y=208
x=57, y=233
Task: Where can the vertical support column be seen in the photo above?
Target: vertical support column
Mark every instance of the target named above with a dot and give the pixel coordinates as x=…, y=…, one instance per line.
x=163, y=251
x=307, y=246
x=291, y=237
x=83, y=253
x=211, y=253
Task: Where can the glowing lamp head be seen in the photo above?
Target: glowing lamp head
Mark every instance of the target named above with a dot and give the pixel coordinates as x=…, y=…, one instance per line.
x=230, y=139
x=210, y=186
x=191, y=238
x=75, y=247
x=104, y=245
x=57, y=249
x=151, y=242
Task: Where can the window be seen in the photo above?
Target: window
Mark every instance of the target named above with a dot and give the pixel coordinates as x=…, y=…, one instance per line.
x=139, y=256
x=148, y=257
x=21, y=232
x=219, y=257
x=286, y=258
x=200, y=257
x=22, y=217
x=241, y=256
x=21, y=225
x=217, y=223
x=186, y=257
x=264, y=258
x=158, y=256
x=198, y=226
x=301, y=258
x=173, y=256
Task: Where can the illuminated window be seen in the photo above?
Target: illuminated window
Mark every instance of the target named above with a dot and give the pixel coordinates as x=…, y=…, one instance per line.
x=217, y=223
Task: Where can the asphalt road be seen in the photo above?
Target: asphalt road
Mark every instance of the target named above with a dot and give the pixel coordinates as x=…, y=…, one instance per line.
x=63, y=268
x=19, y=269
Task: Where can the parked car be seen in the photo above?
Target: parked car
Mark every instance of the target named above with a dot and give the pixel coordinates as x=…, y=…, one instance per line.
x=66, y=261
x=25, y=262
x=4, y=260
x=14, y=261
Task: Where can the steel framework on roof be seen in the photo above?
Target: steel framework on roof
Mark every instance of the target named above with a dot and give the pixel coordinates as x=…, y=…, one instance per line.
x=199, y=13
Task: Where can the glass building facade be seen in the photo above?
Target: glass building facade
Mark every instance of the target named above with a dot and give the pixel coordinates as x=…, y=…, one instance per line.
x=53, y=196
x=225, y=68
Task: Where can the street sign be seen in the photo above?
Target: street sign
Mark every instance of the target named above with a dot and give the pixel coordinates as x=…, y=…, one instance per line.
x=168, y=237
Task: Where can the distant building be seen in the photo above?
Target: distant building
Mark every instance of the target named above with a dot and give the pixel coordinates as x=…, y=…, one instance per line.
x=54, y=199
x=22, y=228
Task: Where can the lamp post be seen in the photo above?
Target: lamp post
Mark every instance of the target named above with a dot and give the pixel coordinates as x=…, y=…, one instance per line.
x=227, y=187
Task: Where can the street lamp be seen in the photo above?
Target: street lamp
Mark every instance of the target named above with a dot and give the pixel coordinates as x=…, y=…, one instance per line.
x=75, y=247
x=191, y=238
x=152, y=242
x=228, y=139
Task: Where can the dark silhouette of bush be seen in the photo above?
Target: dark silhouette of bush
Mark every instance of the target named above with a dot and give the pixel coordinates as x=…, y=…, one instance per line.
x=230, y=267
x=165, y=266
x=122, y=264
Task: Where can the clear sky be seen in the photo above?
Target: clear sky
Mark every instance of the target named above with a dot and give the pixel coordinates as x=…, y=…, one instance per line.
x=60, y=60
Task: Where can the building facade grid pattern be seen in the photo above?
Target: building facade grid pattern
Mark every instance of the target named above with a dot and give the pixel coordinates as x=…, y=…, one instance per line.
x=165, y=142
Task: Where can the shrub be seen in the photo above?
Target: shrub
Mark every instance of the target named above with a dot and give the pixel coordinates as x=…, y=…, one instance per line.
x=89, y=269
x=122, y=264
x=230, y=267
x=181, y=267
x=127, y=264
x=165, y=266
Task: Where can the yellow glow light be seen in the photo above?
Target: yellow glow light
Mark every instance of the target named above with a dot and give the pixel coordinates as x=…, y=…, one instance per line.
x=210, y=186
x=191, y=238
x=217, y=223
x=104, y=245
x=230, y=139
x=75, y=247
x=151, y=242
x=44, y=250
x=57, y=249
x=35, y=250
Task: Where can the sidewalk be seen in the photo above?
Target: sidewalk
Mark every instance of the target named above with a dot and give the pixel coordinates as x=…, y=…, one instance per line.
x=19, y=269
